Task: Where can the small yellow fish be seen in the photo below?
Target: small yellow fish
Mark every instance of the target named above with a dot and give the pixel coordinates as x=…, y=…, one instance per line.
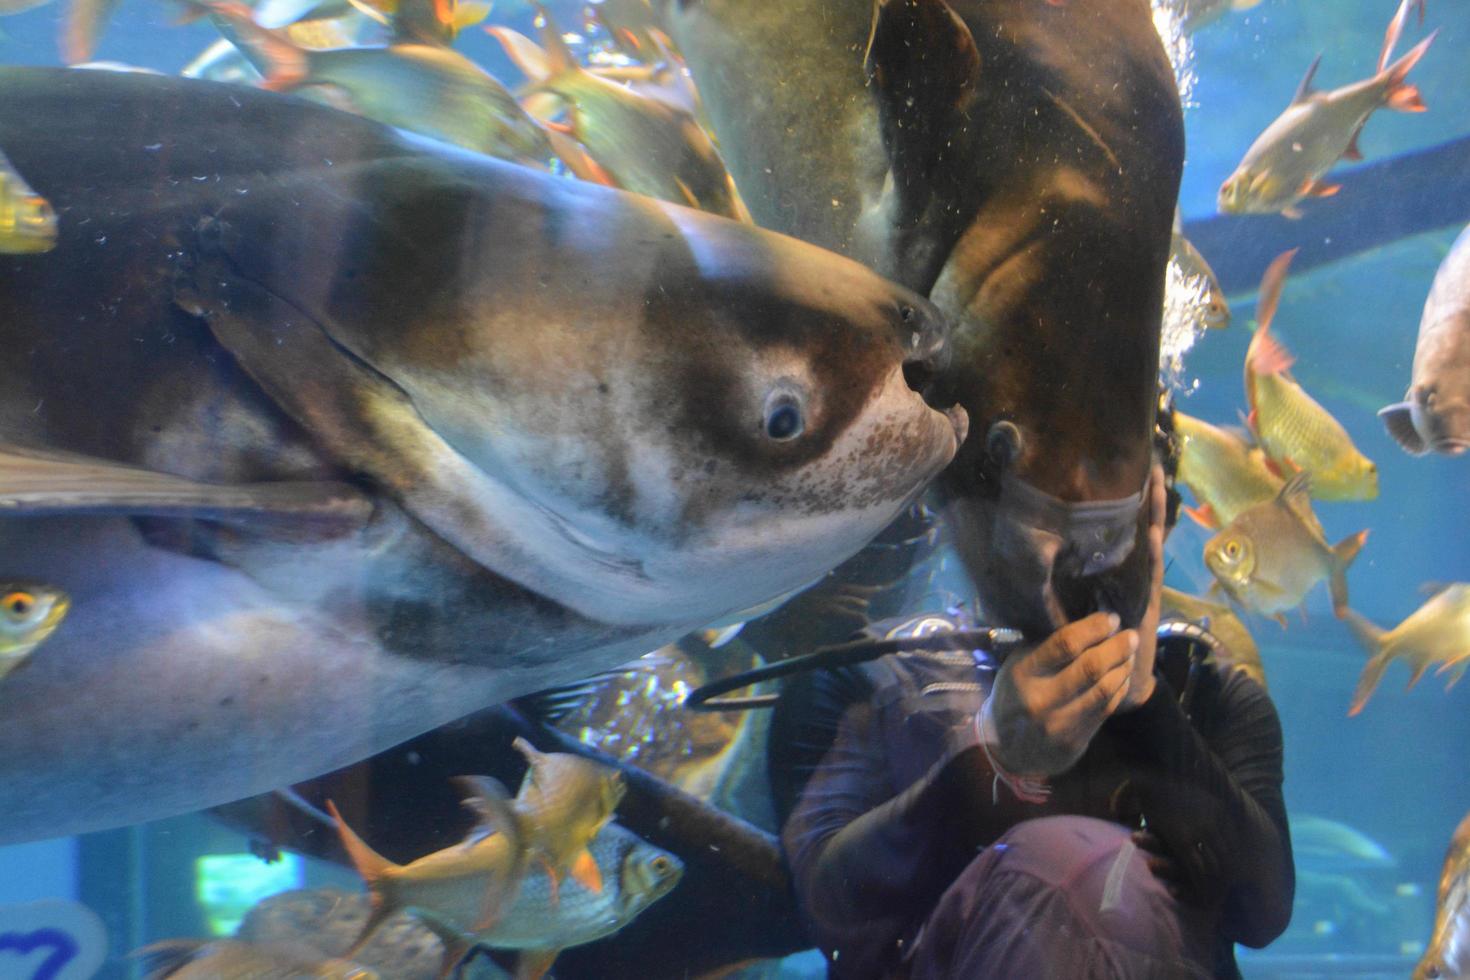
x=1437, y=632
x=27, y=220
x=1448, y=953
x=563, y=802
x=1296, y=432
x=1225, y=475
x=29, y=613
x=642, y=142
x=229, y=959
x=1286, y=162
x=1226, y=627
x=425, y=88
x=1271, y=556
x=1193, y=265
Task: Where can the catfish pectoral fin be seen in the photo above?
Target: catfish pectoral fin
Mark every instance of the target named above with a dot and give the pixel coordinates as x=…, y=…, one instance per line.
x=39, y=482
x=362, y=419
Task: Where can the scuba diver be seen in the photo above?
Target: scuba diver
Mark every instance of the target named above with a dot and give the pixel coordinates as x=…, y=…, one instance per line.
x=1106, y=803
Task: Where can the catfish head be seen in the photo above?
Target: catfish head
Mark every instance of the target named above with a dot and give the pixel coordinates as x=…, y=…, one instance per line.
x=646, y=414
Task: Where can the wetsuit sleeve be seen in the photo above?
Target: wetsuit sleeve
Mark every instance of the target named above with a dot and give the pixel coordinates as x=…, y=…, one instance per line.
x=864, y=860
x=1215, y=800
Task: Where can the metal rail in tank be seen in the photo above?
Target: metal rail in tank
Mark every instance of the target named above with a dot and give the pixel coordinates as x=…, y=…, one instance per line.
x=1380, y=203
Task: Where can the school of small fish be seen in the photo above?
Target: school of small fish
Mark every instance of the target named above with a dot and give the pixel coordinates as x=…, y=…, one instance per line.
x=549, y=868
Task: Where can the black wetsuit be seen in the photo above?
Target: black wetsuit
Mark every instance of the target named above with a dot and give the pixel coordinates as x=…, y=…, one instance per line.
x=886, y=797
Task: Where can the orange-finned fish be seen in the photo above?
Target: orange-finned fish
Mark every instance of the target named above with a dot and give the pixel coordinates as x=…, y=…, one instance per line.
x=29, y=613
x=426, y=88
x=1271, y=556
x=1216, y=310
x=27, y=220
x=1222, y=622
x=538, y=922
x=1438, y=632
x=643, y=142
x=1296, y=432
x=1448, y=954
x=1286, y=162
x=1225, y=475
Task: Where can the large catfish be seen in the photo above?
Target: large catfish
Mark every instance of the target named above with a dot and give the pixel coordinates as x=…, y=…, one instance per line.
x=1016, y=160
x=334, y=435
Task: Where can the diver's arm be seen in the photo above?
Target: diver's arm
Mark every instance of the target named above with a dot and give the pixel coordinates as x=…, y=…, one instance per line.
x=866, y=863
x=1217, y=805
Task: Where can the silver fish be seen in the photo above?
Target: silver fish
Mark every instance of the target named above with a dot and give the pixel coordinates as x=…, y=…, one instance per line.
x=1287, y=161
x=537, y=494
x=1435, y=414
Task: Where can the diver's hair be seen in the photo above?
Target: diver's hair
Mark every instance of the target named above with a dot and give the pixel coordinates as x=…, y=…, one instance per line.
x=1167, y=449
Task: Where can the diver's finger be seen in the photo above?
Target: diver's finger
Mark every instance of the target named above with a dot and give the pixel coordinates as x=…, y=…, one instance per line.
x=1069, y=643
x=1084, y=673
x=1079, y=718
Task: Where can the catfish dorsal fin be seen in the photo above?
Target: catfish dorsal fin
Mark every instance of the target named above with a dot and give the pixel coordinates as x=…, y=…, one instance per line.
x=1304, y=90
x=923, y=65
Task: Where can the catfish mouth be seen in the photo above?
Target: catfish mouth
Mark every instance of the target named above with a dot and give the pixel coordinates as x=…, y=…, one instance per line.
x=1450, y=446
x=924, y=358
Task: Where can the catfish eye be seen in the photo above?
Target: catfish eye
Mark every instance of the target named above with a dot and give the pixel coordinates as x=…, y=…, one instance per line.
x=1232, y=550
x=661, y=866
x=18, y=605
x=784, y=419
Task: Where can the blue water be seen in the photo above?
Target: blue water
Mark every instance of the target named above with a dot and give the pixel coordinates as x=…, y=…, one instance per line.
x=1397, y=773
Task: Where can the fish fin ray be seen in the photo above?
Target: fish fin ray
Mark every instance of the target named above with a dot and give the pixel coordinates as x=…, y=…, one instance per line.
x=1432, y=588
x=585, y=872
x=920, y=53
x=376, y=872
x=1315, y=188
x=1368, y=682
x=284, y=63
x=42, y=482
x=1272, y=282
x=532, y=964
x=524, y=53
x=1343, y=553
x=1401, y=95
x=1354, y=152
x=1398, y=419
x=1292, y=213
x=1204, y=516
x=559, y=58
x=1304, y=89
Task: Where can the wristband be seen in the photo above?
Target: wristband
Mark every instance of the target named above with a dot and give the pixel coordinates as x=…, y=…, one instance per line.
x=1026, y=788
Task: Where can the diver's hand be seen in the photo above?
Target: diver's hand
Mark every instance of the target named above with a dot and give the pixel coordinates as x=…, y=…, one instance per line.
x=1049, y=701
x=1141, y=685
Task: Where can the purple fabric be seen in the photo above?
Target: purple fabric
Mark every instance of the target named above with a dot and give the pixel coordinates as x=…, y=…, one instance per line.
x=1065, y=897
